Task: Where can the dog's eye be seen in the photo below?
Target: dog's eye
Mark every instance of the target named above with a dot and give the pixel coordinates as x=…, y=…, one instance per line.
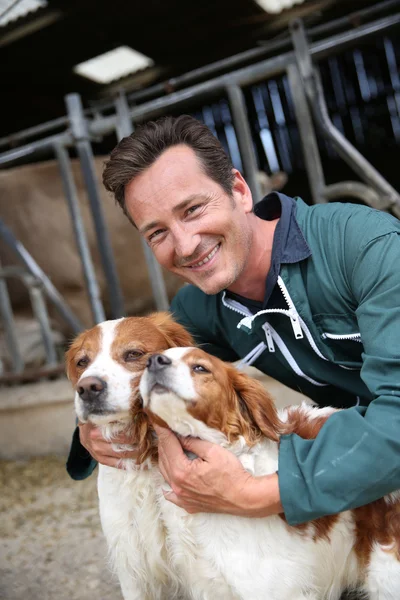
x=199, y=369
x=83, y=362
x=132, y=355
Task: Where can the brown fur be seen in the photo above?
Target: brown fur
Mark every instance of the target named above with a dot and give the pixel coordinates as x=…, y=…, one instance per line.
x=149, y=335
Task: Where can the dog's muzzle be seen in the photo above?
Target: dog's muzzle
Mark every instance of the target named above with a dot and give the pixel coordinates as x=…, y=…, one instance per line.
x=91, y=390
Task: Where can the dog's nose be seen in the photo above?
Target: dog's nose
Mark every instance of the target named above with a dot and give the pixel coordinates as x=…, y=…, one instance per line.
x=90, y=388
x=156, y=362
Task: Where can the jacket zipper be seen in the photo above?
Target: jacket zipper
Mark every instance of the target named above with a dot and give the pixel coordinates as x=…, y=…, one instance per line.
x=290, y=359
x=355, y=337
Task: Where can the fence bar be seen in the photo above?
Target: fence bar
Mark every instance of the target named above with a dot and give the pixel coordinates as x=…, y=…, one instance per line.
x=125, y=128
x=36, y=147
x=245, y=141
x=231, y=62
x=247, y=75
x=308, y=140
x=20, y=251
x=353, y=189
x=40, y=312
x=9, y=327
x=314, y=92
x=80, y=234
x=84, y=149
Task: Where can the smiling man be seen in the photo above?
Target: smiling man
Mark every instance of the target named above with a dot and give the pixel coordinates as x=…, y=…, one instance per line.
x=309, y=295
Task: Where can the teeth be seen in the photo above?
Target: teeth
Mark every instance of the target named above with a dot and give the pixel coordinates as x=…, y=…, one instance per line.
x=207, y=258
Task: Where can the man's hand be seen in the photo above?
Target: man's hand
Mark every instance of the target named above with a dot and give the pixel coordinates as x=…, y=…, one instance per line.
x=214, y=482
x=101, y=450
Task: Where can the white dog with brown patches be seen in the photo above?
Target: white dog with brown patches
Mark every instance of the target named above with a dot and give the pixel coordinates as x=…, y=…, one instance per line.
x=160, y=552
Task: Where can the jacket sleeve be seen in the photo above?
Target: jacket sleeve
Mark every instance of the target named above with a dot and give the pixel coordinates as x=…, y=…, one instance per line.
x=356, y=456
x=80, y=464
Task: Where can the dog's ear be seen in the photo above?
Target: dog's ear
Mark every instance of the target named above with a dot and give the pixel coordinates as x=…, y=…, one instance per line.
x=256, y=406
x=175, y=334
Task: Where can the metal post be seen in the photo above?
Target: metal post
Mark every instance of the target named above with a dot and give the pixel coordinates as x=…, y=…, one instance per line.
x=40, y=312
x=245, y=141
x=80, y=234
x=124, y=128
x=309, y=143
x=32, y=266
x=9, y=327
x=81, y=136
x=387, y=195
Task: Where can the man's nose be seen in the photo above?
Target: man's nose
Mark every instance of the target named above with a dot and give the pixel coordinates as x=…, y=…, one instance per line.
x=90, y=388
x=185, y=242
x=157, y=362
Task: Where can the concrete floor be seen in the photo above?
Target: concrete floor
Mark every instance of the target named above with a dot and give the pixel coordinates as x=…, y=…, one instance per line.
x=52, y=547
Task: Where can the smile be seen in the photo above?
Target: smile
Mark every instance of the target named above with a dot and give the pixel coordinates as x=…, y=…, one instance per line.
x=206, y=259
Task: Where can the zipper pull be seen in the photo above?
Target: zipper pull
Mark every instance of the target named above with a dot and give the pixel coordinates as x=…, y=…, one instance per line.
x=246, y=324
x=269, y=338
x=298, y=332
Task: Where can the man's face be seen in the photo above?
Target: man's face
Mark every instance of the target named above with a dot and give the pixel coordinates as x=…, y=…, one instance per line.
x=194, y=228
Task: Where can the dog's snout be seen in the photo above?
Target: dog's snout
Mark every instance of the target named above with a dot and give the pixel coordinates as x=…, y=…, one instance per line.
x=90, y=388
x=156, y=362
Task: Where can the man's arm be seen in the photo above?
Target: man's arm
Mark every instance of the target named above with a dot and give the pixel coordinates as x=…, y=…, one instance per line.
x=356, y=456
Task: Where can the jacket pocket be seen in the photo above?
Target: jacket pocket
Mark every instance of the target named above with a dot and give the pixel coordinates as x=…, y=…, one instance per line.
x=341, y=334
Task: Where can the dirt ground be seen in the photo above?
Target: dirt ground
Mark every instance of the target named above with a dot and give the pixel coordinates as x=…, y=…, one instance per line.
x=51, y=544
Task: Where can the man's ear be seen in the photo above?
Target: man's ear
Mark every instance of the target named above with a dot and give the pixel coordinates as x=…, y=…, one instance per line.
x=241, y=192
x=175, y=334
x=256, y=405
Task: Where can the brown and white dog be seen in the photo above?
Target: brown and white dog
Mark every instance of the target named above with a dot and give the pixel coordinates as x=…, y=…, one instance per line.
x=159, y=551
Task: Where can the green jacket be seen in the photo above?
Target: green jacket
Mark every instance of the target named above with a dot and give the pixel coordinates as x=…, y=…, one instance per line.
x=337, y=341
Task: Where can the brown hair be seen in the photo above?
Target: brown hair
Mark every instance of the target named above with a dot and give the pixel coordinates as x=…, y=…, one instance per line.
x=135, y=153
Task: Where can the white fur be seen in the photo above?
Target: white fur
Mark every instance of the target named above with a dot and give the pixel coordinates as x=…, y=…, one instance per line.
x=160, y=552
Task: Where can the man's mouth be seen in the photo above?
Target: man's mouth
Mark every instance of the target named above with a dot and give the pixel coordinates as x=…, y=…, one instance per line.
x=206, y=259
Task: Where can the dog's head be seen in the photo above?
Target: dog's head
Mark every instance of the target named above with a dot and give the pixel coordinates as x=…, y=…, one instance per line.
x=197, y=394
x=106, y=362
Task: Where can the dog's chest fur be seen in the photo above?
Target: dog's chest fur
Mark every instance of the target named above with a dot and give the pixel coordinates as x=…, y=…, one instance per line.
x=175, y=555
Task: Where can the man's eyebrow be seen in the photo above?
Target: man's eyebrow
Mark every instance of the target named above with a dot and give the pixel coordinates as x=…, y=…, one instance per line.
x=176, y=208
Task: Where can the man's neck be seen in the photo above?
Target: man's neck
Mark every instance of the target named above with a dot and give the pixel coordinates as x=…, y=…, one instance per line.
x=251, y=283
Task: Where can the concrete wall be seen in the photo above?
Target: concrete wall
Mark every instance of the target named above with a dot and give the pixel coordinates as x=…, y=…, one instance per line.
x=36, y=419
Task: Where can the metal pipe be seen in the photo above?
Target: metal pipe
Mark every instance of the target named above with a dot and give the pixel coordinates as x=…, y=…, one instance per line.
x=308, y=140
x=246, y=75
x=240, y=121
x=80, y=234
x=353, y=189
x=40, y=312
x=313, y=89
x=84, y=149
x=65, y=139
x=22, y=254
x=125, y=128
x=208, y=70
x=9, y=327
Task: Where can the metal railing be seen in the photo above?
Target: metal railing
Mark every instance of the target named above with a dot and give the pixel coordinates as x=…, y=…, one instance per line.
x=312, y=118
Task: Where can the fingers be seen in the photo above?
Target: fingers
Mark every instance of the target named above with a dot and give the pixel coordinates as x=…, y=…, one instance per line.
x=199, y=447
x=106, y=453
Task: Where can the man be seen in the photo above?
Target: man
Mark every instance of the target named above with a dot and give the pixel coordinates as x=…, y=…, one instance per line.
x=311, y=294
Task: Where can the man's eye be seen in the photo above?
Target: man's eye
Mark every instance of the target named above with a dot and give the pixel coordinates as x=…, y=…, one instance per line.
x=192, y=209
x=200, y=369
x=155, y=234
x=132, y=355
x=83, y=362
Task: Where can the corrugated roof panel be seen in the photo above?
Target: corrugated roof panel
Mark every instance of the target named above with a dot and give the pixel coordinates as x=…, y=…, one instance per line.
x=11, y=10
x=277, y=6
